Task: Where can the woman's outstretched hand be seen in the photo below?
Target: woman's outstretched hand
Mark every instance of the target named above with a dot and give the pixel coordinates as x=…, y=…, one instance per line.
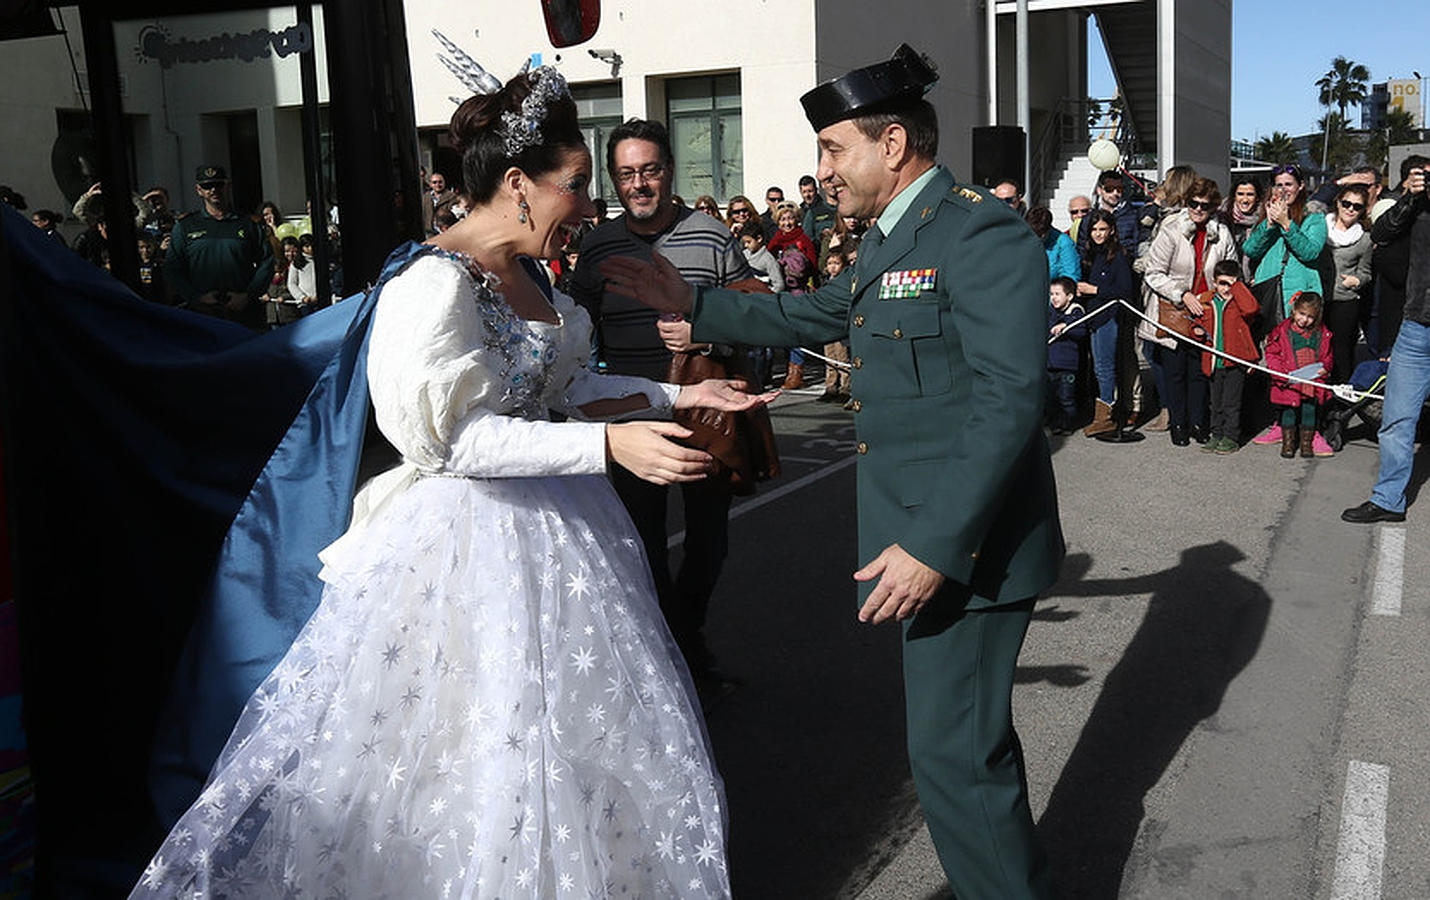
x=727, y=394
x=646, y=450
x=656, y=283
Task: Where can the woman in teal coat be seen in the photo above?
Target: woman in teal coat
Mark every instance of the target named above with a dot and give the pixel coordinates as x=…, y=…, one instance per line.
x=1288, y=242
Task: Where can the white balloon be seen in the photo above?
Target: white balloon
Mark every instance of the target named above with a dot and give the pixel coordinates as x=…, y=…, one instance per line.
x=1104, y=154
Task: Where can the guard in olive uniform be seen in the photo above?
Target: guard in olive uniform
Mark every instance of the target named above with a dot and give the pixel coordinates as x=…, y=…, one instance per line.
x=958, y=526
x=218, y=261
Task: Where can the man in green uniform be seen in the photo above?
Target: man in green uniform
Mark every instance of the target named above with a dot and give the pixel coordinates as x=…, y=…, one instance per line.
x=945, y=313
x=218, y=262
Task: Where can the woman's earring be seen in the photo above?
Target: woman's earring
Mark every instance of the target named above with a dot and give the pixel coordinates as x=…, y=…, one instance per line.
x=521, y=216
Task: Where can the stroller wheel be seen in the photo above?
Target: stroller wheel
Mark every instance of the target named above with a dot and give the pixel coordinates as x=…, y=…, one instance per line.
x=1334, y=433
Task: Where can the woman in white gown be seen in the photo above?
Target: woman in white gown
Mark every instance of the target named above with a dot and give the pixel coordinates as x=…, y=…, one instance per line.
x=486, y=703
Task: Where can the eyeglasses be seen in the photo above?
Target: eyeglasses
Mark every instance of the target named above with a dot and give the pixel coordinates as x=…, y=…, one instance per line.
x=1203, y=205
x=741, y=211
x=706, y=207
x=1349, y=204
x=649, y=172
x=211, y=185
x=1011, y=201
x=1287, y=170
x=1079, y=213
x=772, y=200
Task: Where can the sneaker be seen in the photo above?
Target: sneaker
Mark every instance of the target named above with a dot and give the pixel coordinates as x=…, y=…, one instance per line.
x=1369, y=512
x=1211, y=445
x=1226, y=446
x=1271, y=435
x=1319, y=447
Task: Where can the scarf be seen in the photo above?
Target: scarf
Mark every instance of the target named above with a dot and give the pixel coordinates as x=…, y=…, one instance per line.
x=1338, y=238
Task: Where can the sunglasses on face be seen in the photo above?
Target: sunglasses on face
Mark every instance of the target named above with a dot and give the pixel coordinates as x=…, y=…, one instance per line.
x=211, y=185
x=1203, y=205
x=1352, y=205
x=740, y=211
x=1078, y=213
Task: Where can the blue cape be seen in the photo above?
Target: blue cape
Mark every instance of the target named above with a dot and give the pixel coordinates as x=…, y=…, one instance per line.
x=171, y=479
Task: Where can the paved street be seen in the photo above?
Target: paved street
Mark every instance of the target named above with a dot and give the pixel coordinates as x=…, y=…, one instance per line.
x=1224, y=696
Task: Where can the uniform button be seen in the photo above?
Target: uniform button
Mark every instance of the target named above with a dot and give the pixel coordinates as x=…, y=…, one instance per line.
x=858, y=362
x=861, y=448
x=898, y=333
x=859, y=321
x=858, y=405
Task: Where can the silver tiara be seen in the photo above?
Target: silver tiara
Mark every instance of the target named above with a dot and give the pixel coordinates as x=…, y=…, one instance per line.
x=520, y=129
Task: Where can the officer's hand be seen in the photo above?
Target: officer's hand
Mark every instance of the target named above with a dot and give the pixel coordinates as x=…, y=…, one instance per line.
x=905, y=585
x=657, y=283
x=209, y=298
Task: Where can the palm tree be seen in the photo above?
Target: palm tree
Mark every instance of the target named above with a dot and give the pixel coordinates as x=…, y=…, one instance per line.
x=1345, y=85
x=1399, y=128
x=1279, y=148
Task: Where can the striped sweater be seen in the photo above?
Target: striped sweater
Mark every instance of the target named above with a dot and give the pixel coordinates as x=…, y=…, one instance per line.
x=700, y=246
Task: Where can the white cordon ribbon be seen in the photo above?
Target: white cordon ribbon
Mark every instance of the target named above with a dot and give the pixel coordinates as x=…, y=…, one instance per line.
x=1344, y=391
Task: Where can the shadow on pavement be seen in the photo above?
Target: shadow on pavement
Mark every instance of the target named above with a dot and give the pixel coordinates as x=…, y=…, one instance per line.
x=1203, y=625
x=811, y=742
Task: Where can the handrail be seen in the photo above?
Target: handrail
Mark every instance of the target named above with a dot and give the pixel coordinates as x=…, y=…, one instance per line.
x=1071, y=126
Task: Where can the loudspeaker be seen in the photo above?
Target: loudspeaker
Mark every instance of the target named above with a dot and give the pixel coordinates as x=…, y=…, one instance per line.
x=998, y=155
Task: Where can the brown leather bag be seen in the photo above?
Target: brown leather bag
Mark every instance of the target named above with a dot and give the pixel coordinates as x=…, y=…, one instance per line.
x=1176, y=318
x=742, y=443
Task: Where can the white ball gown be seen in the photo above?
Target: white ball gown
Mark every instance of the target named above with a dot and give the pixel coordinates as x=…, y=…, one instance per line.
x=486, y=703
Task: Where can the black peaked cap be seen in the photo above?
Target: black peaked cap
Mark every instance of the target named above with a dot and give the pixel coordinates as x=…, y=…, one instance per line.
x=907, y=75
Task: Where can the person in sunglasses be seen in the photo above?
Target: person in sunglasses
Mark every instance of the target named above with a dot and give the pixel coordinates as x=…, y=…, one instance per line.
x=219, y=262
x=1180, y=268
x=1347, y=274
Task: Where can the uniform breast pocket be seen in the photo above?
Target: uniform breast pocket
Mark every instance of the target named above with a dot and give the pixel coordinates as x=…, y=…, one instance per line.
x=908, y=349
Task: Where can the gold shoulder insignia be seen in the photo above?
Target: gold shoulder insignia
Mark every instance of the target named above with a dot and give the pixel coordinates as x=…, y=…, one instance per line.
x=969, y=195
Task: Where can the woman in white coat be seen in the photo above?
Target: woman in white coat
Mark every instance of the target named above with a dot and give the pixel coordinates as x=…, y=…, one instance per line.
x=1178, y=269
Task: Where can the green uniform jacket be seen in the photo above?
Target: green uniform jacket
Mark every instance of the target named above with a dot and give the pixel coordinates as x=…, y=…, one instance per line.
x=207, y=254
x=948, y=389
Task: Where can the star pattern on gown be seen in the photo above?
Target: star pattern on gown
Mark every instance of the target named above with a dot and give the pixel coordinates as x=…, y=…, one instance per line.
x=486, y=696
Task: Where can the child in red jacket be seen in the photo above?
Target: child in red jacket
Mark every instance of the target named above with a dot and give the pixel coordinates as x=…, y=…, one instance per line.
x=1226, y=312
x=1298, y=342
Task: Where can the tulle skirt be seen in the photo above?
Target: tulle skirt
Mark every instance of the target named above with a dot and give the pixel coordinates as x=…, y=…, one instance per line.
x=486, y=704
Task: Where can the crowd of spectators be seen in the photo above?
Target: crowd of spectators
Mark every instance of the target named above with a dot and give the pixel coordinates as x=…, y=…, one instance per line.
x=1276, y=275
x=257, y=270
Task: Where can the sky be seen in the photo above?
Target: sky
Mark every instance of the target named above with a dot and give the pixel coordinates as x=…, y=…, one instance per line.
x=1276, y=57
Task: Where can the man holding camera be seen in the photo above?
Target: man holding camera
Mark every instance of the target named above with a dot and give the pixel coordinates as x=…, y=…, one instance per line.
x=1407, y=384
x=218, y=260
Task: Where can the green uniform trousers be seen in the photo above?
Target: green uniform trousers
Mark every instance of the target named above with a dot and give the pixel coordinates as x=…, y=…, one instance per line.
x=967, y=762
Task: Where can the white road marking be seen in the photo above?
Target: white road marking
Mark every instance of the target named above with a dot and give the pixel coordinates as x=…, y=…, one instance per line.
x=837, y=466
x=1360, y=851
x=1389, y=566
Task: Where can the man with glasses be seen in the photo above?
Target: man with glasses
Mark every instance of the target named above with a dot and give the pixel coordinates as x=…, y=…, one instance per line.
x=1111, y=196
x=438, y=198
x=218, y=262
x=1078, y=208
x=638, y=156
x=1010, y=193
x=774, y=196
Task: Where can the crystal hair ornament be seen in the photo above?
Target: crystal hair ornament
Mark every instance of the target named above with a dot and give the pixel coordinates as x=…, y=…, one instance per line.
x=523, y=129
x=468, y=70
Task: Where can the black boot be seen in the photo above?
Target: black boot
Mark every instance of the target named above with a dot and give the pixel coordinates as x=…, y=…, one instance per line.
x=1180, y=437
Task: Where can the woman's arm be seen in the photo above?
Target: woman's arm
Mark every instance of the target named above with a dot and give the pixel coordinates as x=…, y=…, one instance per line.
x=1260, y=240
